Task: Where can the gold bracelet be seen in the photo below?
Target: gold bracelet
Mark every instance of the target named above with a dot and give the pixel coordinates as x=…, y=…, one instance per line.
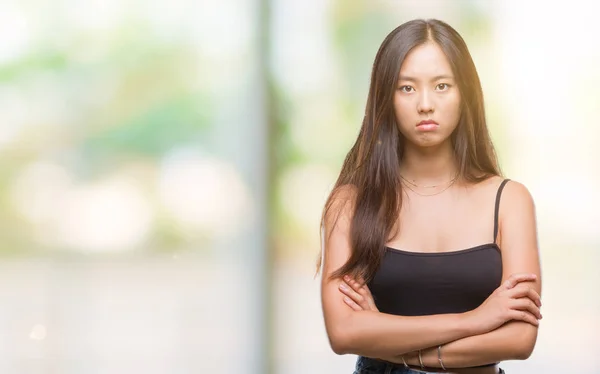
x=440, y=357
x=421, y=360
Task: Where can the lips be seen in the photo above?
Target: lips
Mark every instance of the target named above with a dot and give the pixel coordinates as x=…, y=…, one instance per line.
x=427, y=122
x=427, y=125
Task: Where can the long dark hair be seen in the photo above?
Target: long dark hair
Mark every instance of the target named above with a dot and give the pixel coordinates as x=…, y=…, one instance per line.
x=372, y=167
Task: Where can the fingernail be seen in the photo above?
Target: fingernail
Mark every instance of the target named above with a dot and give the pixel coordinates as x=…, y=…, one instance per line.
x=346, y=278
x=342, y=287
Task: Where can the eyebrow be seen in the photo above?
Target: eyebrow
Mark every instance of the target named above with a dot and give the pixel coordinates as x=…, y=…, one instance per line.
x=436, y=78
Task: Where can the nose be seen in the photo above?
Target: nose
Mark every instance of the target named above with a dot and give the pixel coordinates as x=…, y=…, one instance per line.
x=425, y=104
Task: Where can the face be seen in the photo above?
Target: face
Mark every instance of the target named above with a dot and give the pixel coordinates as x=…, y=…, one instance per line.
x=426, y=100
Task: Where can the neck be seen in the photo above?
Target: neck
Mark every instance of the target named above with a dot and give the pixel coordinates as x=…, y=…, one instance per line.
x=429, y=165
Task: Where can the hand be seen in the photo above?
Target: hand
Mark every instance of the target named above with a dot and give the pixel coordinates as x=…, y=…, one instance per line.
x=358, y=296
x=515, y=299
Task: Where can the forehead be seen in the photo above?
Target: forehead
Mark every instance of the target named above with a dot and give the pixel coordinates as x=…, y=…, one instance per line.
x=426, y=61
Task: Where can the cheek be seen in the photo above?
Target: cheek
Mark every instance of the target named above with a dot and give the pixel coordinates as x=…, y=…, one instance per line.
x=453, y=109
x=402, y=110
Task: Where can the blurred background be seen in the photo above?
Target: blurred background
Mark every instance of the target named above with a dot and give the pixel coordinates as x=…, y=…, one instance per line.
x=163, y=166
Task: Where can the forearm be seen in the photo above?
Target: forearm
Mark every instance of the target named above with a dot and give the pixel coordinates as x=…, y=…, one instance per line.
x=375, y=334
x=512, y=341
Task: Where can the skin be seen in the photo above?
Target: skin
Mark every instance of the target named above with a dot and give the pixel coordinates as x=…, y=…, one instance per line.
x=504, y=327
x=427, y=90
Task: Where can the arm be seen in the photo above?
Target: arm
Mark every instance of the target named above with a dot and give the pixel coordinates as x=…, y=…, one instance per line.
x=514, y=340
x=371, y=333
x=508, y=342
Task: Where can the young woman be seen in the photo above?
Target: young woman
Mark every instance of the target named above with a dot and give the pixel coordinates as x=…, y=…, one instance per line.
x=430, y=258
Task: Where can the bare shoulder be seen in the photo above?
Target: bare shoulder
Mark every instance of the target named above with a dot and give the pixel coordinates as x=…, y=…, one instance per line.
x=492, y=183
x=517, y=221
x=513, y=191
x=338, y=214
x=346, y=192
x=485, y=191
x=517, y=189
x=340, y=205
x=516, y=198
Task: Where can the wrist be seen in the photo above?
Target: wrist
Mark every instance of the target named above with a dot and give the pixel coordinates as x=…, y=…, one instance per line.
x=468, y=324
x=429, y=357
x=412, y=358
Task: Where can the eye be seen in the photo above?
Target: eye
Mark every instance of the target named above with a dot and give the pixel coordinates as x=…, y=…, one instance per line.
x=407, y=89
x=442, y=87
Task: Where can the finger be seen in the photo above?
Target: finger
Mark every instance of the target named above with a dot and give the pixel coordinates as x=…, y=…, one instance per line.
x=361, y=280
x=523, y=290
x=514, y=279
x=352, y=304
x=361, y=293
x=366, y=293
x=521, y=315
x=519, y=290
x=533, y=295
x=364, y=289
x=528, y=305
x=348, y=291
x=356, y=286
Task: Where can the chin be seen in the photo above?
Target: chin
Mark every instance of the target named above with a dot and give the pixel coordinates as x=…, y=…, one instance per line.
x=429, y=141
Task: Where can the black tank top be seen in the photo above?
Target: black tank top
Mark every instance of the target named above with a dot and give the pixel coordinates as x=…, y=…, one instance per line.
x=418, y=283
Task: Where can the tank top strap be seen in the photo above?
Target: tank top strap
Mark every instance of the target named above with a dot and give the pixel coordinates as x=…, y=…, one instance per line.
x=497, y=207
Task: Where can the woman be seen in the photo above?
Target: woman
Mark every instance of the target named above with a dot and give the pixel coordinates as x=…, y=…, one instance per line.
x=430, y=259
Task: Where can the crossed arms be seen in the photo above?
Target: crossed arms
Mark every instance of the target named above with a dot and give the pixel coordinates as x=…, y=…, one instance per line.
x=503, y=328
